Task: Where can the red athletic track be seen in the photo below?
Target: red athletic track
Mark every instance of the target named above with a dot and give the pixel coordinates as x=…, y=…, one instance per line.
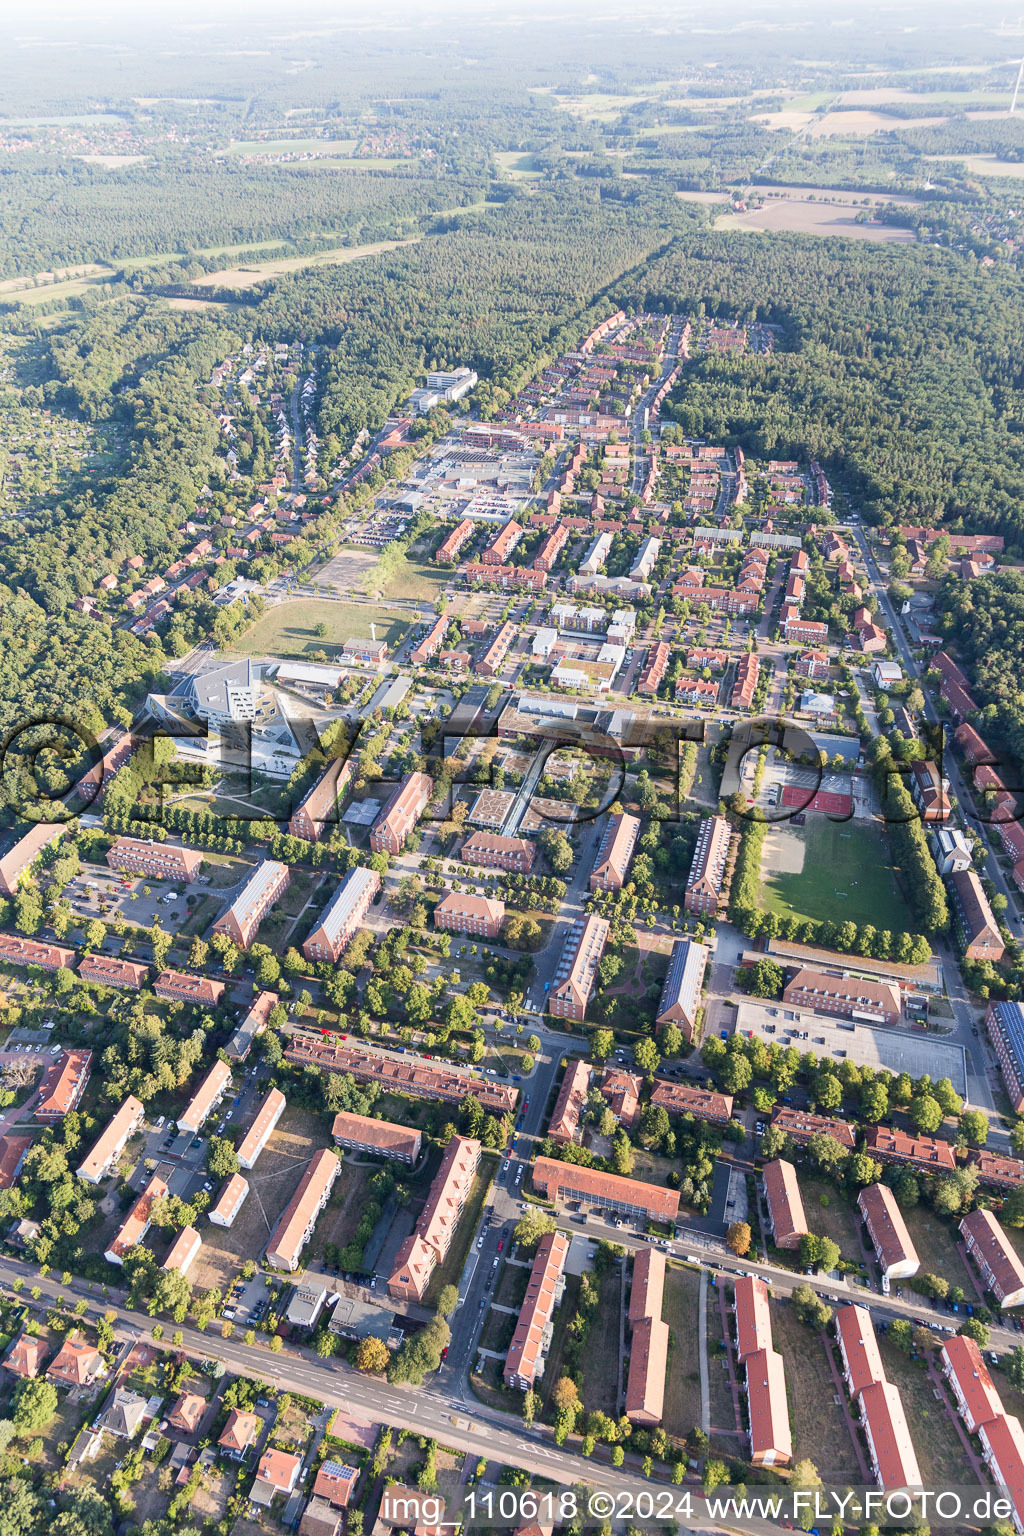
x=825, y=800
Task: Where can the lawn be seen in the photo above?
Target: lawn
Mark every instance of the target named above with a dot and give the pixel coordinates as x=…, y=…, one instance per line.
x=819, y=1428
x=831, y=870
x=449, y=1272
x=939, y=1452
x=837, y=1218
x=290, y=630
x=343, y=1212
x=682, y=1385
x=417, y=579
x=601, y=1352
x=935, y=1242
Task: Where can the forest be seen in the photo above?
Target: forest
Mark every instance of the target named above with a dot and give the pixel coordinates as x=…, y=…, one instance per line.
x=985, y=617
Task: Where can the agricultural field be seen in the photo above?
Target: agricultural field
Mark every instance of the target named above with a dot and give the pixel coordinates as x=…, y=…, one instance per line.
x=796, y=216
x=516, y=166
x=292, y=146
x=831, y=870
x=290, y=629
x=258, y=272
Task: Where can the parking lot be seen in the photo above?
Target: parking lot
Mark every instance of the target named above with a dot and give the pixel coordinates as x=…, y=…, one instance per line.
x=99, y=892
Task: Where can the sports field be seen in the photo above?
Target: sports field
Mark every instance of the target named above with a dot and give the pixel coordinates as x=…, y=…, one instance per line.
x=290, y=630
x=831, y=870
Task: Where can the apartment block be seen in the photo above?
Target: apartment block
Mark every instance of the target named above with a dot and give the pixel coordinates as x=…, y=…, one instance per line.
x=209, y=1093
x=622, y=1091
x=963, y=1366
x=378, y=1138
x=343, y=916
x=321, y=805
x=559, y=1182
x=448, y=552
x=845, y=997
x=493, y=659
x=858, y=1346
x=680, y=995
x=400, y=815
x=771, y=1440
x=296, y=1222
x=268, y=1113
x=707, y=868
x=268, y=881
x=498, y=552
x=786, y=1216
x=413, y=1076
x=156, y=861
x=63, y=1084
x=890, y=1238
x=925, y=1153
x=611, y=866
x=684, y=1099
x=753, y=1317
x=435, y=1228
x=884, y=1422
x=19, y=859
x=230, y=1200
x=14, y=950
x=995, y=1256
x=481, y=916
x=111, y=1142
x=182, y=986
x=527, y=1353
x=973, y=918
x=489, y=851
x=137, y=1223
x=252, y=1025
x=1005, y=1025
x=111, y=971
x=576, y=974
x=800, y=1125
x=654, y=668
x=564, y=1124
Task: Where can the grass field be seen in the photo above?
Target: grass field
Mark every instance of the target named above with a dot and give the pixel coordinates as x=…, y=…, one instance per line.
x=836, y=1219
x=939, y=1452
x=277, y=266
x=290, y=630
x=291, y=146
x=831, y=870
x=936, y=1248
x=819, y=1429
x=682, y=1384
x=516, y=166
x=417, y=579
x=601, y=1353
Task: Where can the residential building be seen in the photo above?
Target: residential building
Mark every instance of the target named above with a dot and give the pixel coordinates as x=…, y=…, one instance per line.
x=493, y=659
x=814, y=664
x=295, y=1225
x=435, y=1228
x=952, y=851
x=184, y=1250
x=111, y=971
x=430, y=644
x=505, y=576
x=648, y=1363
x=12, y=1155
x=1005, y=1025
x=571, y=1103
x=928, y=790
x=996, y=1257
x=77, y=1363
x=156, y=861
x=209, y=1093
x=321, y=805
x=786, y=1217
x=277, y=1473
x=269, y=880
x=240, y=1432
x=268, y=1113
x=995, y=1171
x=187, y=1413
x=748, y=670
x=413, y=1076
x=559, y=1182
x=230, y=1200
x=111, y=1142
x=574, y=979
x=893, y=1245
x=15, y=950
x=622, y=1090
x=343, y=916
x=498, y=552
x=680, y=995
x=615, y=852
x=26, y=1356
x=62, y=1086
x=654, y=668
x=684, y=1099
x=974, y=919
x=1002, y=1444
x=18, y=860
x=858, y=1346
x=884, y=1422
x=925, y=1153
x=646, y=560
x=753, y=1317
x=252, y=1026
x=696, y=690
x=707, y=868
x=378, y=1138
x=400, y=815
x=481, y=916
x=803, y=631
x=527, y=1353
x=963, y=1366
x=771, y=1440
x=336, y=1483
x=448, y=552
x=367, y=653
x=975, y=750
x=137, y=1223
x=547, y=555
x=489, y=851
x=182, y=986
x=800, y=1125
x=846, y=997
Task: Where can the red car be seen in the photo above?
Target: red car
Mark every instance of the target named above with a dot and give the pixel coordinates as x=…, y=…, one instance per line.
x=501, y=1245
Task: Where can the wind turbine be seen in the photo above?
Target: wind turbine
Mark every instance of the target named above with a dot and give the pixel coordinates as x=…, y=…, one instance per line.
x=1016, y=89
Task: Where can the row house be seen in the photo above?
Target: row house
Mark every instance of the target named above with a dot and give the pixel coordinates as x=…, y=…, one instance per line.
x=707, y=868
x=748, y=671
x=481, y=916
x=654, y=669
x=698, y=691
x=493, y=658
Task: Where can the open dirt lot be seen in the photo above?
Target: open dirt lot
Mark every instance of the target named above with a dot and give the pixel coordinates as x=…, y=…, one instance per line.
x=271, y=1185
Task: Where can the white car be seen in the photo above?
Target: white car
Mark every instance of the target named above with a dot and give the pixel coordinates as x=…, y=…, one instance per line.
x=504, y=1166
